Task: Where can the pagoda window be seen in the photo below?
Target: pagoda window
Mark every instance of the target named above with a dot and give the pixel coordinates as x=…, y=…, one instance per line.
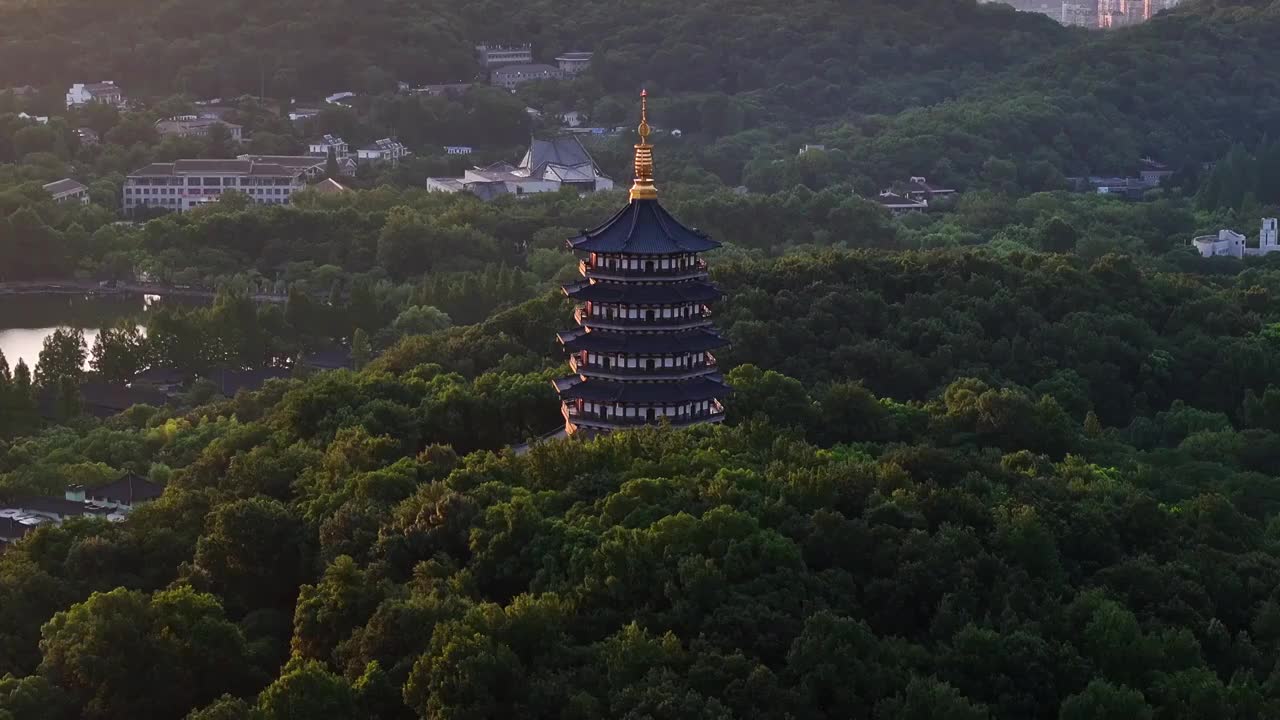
x=631, y=412
x=648, y=266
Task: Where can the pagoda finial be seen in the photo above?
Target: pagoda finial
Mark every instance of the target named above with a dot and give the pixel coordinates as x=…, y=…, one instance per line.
x=643, y=188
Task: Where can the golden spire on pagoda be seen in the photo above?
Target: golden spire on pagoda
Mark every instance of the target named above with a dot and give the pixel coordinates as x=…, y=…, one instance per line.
x=643, y=188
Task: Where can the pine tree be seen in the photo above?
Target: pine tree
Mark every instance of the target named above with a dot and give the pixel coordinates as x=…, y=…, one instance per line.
x=1092, y=426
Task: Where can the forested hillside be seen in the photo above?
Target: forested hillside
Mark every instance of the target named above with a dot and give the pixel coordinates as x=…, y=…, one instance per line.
x=965, y=486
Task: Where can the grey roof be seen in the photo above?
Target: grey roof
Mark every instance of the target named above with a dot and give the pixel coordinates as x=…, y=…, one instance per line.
x=229, y=382
x=53, y=505
x=240, y=166
x=291, y=162
x=699, y=340
x=643, y=227
x=637, y=294
x=127, y=490
x=563, y=150
x=64, y=185
x=701, y=388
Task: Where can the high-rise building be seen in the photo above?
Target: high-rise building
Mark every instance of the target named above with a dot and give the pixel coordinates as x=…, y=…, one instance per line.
x=641, y=351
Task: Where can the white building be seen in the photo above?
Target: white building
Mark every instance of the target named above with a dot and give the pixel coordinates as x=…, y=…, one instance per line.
x=510, y=76
x=67, y=190
x=458, y=149
x=386, y=150
x=186, y=184
x=572, y=63
x=104, y=92
x=547, y=166
x=1229, y=243
x=492, y=56
x=323, y=145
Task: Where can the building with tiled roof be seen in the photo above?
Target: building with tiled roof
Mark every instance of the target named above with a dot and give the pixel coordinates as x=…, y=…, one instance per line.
x=185, y=184
x=547, y=166
x=67, y=190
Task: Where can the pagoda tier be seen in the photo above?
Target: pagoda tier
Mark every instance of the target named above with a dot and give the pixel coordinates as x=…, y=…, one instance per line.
x=641, y=351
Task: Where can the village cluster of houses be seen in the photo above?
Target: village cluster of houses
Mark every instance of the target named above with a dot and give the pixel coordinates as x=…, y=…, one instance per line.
x=112, y=501
x=509, y=66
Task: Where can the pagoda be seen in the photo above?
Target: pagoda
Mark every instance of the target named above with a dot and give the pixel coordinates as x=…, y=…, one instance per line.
x=641, y=353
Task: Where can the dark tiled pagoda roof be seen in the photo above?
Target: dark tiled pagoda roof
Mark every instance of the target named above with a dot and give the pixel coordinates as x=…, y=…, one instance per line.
x=643, y=227
x=636, y=294
x=699, y=340
x=702, y=388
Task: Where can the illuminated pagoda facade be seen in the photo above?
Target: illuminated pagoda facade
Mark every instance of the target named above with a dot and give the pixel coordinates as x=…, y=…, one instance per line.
x=641, y=353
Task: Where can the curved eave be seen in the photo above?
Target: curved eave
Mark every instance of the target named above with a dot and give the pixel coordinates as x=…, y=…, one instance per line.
x=641, y=344
x=643, y=227
x=636, y=294
x=695, y=390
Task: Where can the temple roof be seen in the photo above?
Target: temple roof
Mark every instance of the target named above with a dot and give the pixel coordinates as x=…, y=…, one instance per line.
x=689, y=341
x=643, y=227
x=701, y=388
x=636, y=294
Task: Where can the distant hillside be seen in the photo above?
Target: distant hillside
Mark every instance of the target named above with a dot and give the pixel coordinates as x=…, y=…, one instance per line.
x=810, y=56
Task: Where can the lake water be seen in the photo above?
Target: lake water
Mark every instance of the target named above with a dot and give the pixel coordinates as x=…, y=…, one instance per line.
x=26, y=320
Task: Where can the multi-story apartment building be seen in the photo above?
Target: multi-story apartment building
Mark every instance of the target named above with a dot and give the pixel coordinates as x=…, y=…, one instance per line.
x=492, y=56
x=186, y=184
x=512, y=75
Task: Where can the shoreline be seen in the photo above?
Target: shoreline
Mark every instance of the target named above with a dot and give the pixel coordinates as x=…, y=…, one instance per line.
x=18, y=288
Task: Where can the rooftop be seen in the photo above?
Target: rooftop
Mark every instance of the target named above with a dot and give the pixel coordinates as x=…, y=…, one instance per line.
x=127, y=490
x=180, y=168
x=701, y=388
x=65, y=185
x=643, y=227
x=689, y=341
x=637, y=294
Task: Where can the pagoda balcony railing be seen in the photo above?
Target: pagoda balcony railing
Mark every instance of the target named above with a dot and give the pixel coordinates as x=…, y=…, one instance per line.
x=696, y=270
x=641, y=373
x=658, y=323
x=601, y=420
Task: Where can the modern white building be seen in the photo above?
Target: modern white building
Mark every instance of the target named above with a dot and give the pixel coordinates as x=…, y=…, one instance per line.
x=67, y=190
x=105, y=92
x=323, y=145
x=1229, y=243
x=547, y=166
x=186, y=184
x=388, y=150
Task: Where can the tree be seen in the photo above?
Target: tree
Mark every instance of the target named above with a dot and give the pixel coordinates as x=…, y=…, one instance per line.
x=331, y=165
x=119, y=352
x=61, y=358
x=252, y=554
x=1103, y=701
x=360, y=349
x=95, y=648
x=421, y=320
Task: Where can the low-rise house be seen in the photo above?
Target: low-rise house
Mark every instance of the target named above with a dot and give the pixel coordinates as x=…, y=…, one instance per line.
x=37, y=119
x=331, y=359
x=547, y=166
x=105, y=92
x=300, y=114
x=313, y=167
x=88, y=136
x=1229, y=243
x=458, y=150
x=388, y=150
x=194, y=126
x=164, y=380
x=573, y=119
x=1153, y=172
x=572, y=63
x=67, y=190
x=805, y=150
x=329, y=143
x=185, y=184
x=900, y=204
x=918, y=188
x=230, y=381
x=12, y=531
x=451, y=89
x=329, y=186
x=56, y=509
x=123, y=494
x=340, y=98
x=511, y=76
